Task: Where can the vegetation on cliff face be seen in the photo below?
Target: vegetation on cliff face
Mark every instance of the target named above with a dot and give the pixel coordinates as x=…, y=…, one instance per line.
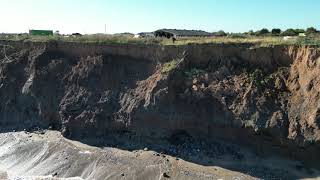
x=259, y=78
x=169, y=66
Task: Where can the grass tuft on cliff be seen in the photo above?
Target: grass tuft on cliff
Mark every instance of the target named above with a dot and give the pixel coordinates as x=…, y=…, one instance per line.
x=169, y=66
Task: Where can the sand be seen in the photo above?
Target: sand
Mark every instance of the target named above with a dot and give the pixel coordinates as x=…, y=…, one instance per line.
x=48, y=155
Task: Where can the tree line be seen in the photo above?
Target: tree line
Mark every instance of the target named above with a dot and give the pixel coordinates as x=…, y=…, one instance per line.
x=274, y=32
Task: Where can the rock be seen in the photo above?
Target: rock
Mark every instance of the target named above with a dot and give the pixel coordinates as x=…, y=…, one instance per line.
x=145, y=149
x=195, y=88
x=279, y=84
x=165, y=175
x=202, y=86
x=195, y=81
x=187, y=92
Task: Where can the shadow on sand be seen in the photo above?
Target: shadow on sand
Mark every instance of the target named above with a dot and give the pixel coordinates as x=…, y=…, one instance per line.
x=211, y=152
x=206, y=152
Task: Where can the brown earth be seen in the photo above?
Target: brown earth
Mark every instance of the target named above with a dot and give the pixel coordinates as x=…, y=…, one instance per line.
x=263, y=97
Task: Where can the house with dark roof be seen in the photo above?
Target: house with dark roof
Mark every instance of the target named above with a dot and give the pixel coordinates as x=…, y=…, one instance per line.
x=146, y=34
x=168, y=33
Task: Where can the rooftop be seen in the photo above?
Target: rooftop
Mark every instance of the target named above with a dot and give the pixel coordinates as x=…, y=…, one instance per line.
x=184, y=32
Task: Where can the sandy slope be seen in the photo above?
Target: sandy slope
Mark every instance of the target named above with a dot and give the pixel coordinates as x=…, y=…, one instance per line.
x=48, y=155
x=26, y=155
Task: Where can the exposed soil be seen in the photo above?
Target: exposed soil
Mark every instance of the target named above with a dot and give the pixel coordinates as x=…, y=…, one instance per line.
x=265, y=98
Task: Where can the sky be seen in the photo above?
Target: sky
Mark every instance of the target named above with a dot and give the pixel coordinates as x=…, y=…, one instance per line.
x=115, y=16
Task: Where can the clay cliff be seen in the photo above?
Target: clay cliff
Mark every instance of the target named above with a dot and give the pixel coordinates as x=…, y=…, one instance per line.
x=240, y=92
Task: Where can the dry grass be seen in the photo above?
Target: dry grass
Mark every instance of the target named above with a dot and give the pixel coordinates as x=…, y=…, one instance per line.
x=98, y=39
x=123, y=39
x=260, y=41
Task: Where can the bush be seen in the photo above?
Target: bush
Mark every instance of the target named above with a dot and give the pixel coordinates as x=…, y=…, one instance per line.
x=311, y=30
x=169, y=66
x=259, y=78
x=262, y=32
x=275, y=31
x=251, y=33
x=237, y=35
x=220, y=33
x=298, y=31
x=194, y=72
x=289, y=32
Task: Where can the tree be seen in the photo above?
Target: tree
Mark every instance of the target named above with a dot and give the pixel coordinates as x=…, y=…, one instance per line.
x=289, y=32
x=251, y=33
x=275, y=31
x=262, y=32
x=298, y=31
x=311, y=30
x=220, y=33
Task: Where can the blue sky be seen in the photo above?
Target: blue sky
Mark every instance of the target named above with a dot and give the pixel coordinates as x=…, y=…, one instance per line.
x=90, y=16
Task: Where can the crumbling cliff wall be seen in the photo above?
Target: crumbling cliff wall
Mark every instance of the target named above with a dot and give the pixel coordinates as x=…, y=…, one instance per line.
x=235, y=91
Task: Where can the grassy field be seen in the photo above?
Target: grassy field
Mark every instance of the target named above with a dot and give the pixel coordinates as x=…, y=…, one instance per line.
x=260, y=41
x=122, y=39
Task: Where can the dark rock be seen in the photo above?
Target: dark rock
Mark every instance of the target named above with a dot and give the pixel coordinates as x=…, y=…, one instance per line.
x=165, y=175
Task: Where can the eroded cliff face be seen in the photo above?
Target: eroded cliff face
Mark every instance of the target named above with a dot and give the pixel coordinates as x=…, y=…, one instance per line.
x=232, y=91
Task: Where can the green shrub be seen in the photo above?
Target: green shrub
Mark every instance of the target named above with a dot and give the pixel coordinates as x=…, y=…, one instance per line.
x=262, y=32
x=220, y=33
x=308, y=41
x=259, y=78
x=194, y=72
x=298, y=31
x=275, y=31
x=311, y=30
x=237, y=35
x=169, y=66
x=289, y=32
